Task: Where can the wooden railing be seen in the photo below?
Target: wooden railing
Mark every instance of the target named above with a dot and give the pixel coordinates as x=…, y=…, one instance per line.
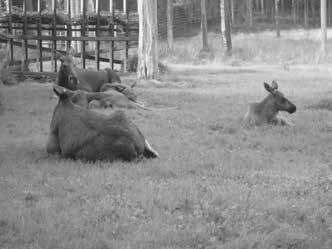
x=20, y=27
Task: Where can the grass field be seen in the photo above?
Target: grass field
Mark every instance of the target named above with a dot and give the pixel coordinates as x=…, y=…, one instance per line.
x=216, y=185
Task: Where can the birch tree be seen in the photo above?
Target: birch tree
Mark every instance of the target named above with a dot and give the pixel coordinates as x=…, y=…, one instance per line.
x=147, y=67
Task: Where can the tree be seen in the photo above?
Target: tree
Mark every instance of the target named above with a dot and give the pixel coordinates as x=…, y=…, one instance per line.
x=323, y=28
x=305, y=13
x=204, y=26
x=147, y=67
x=277, y=17
x=222, y=23
x=228, y=26
x=170, y=23
x=249, y=13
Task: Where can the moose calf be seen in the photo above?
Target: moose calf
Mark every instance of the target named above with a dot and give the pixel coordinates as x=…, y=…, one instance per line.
x=266, y=111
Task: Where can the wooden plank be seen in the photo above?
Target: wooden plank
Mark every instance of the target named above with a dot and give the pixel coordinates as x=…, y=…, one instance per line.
x=54, y=6
x=126, y=55
x=10, y=30
x=111, y=23
x=97, y=33
x=64, y=38
x=83, y=10
x=40, y=42
x=25, y=42
x=69, y=27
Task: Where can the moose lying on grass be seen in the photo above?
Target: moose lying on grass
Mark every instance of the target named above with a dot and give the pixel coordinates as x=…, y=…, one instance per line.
x=79, y=133
x=110, y=98
x=86, y=79
x=266, y=111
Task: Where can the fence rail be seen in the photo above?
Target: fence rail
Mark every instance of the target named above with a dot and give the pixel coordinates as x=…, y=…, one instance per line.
x=25, y=29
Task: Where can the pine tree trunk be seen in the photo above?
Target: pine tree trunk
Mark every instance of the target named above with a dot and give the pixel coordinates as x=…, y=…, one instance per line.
x=294, y=11
x=232, y=11
x=170, y=38
x=228, y=26
x=323, y=28
x=204, y=26
x=262, y=6
x=147, y=67
x=277, y=17
x=313, y=13
x=249, y=13
x=305, y=13
x=222, y=23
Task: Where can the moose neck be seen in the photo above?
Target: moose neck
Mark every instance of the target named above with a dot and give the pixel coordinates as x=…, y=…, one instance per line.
x=267, y=107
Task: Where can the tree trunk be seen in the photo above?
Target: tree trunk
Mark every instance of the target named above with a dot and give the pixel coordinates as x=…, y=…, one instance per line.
x=29, y=6
x=232, y=11
x=277, y=17
x=204, y=26
x=294, y=11
x=323, y=28
x=222, y=23
x=249, y=13
x=313, y=12
x=305, y=13
x=228, y=26
x=147, y=67
x=170, y=38
x=262, y=6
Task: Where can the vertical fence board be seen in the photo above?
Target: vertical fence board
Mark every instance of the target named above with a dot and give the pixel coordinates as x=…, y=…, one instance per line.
x=54, y=34
x=40, y=42
x=111, y=25
x=69, y=32
x=25, y=26
x=125, y=59
x=83, y=8
x=97, y=34
x=10, y=29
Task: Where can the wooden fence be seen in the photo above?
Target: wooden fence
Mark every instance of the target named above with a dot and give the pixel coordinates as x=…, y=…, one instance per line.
x=118, y=30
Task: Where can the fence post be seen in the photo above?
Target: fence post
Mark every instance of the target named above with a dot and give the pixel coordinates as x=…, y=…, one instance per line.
x=24, y=41
x=125, y=60
x=111, y=24
x=40, y=42
x=97, y=33
x=10, y=29
x=83, y=10
x=54, y=60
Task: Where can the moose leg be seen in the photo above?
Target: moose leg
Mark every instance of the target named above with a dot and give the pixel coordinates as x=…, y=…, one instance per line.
x=52, y=146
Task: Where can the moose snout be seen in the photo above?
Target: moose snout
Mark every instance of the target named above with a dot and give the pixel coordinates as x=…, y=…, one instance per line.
x=292, y=109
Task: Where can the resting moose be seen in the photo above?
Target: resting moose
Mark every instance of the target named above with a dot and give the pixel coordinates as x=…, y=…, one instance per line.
x=266, y=111
x=86, y=79
x=110, y=98
x=79, y=133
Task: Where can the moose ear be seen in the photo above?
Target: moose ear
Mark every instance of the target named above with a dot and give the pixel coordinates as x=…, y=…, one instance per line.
x=268, y=87
x=274, y=85
x=71, y=51
x=61, y=92
x=59, y=55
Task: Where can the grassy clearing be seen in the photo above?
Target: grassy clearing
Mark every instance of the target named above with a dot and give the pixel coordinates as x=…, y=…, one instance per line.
x=293, y=47
x=217, y=185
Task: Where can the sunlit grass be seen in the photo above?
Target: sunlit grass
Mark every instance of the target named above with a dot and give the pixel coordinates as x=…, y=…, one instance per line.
x=293, y=47
x=216, y=185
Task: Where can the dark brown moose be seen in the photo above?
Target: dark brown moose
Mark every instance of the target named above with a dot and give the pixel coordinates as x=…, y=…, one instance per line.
x=266, y=111
x=79, y=133
x=89, y=80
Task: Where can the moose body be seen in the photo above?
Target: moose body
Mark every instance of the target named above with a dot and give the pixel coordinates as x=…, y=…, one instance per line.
x=266, y=111
x=110, y=98
x=79, y=133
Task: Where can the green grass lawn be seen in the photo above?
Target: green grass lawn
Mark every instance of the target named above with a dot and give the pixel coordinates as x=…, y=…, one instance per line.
x=216, y=185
